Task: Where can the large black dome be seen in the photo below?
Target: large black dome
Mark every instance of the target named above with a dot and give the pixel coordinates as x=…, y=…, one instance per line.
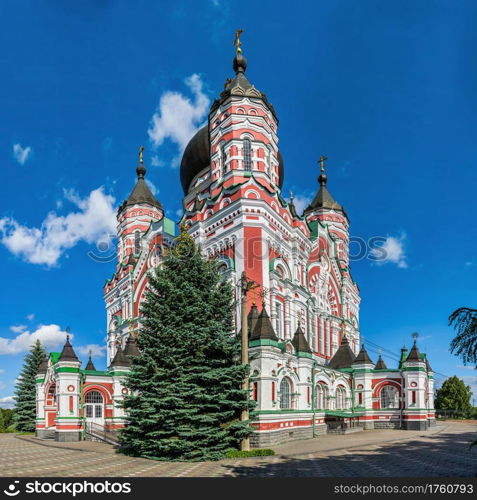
x=196, y=157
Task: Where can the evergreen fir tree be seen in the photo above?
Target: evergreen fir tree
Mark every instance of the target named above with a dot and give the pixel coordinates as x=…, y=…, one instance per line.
x=25, y=391
x=185, y=394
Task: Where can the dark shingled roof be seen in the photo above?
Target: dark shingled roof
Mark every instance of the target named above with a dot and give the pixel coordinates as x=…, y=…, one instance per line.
x=343, y=357
x=131, y=348
x=90, y=365
x=68, y=354
x=263, y=327
x=380, y=365
x=363, y=357
x=323, y=198
x=43, y=365
x=299, y=341
x=414, y=354
x=428, y=365
x=251, y=320
x=141, y=192
x=120, y=359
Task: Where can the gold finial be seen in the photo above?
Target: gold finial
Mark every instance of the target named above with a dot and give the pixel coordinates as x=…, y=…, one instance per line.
x=141, y=149
x=237, y=43
x=322, y=163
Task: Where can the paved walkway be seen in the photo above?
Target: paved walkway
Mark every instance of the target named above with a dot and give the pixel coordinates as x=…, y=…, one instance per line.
x=441, y=452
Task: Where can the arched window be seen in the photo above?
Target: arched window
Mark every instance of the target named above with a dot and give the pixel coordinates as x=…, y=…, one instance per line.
x=389, y=397
x=340, y=398
x=285, y=393
x=247, y=155
x=223, y=161
x=319, y=397
x=137, y=242
x=93, y=406
x=93, y=397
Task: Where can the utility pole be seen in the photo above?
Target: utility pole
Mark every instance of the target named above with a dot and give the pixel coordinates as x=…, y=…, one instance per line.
x=245, y=285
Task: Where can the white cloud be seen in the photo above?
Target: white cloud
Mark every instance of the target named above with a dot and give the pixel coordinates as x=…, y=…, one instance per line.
x=21, y=154
x=18, y=328
x=30, y=317
x=471, y=381
x=50, y=336
x=301, y=201
x=152, y=187
x=2, y=385
x=177, y=117
x=97, y=351
x=391, y=251
x=7, y=402
x=469, y=367
x=156, y=162
x=95, y=219
x=2, y=370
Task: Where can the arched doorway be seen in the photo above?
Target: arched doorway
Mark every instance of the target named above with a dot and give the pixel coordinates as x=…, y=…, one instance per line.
x=94, y=407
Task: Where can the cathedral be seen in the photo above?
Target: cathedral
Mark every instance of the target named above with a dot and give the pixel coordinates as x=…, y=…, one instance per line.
x=309, y=372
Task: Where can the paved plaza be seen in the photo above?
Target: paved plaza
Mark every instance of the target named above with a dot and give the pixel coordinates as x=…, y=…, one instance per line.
x=443, y=451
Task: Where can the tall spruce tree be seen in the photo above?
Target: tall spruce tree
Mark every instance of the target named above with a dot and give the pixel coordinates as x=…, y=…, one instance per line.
x=25, y=391
x=185, y=394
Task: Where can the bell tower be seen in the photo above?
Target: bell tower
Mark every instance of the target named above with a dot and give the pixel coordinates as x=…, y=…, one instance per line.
x=243, y=131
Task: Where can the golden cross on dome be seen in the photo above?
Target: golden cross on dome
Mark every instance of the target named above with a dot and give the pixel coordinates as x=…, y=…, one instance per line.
x=237, y=43
x=322, y=163
x=141, y=149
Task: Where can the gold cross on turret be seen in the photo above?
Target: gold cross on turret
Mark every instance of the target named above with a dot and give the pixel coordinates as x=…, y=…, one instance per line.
x=237, y=43
x=141, y=149
x=322, y=163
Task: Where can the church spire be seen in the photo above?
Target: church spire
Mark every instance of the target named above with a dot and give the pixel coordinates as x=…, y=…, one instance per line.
x=141, y=192
x=323, y=198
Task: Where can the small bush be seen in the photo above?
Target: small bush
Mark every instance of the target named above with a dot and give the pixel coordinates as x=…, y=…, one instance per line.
x=251, y=453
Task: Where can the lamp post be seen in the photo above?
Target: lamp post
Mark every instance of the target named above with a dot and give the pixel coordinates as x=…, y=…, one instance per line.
x=245, y=285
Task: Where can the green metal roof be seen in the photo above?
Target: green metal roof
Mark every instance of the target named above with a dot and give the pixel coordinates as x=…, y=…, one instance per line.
x=54, y=356
x=342, y=413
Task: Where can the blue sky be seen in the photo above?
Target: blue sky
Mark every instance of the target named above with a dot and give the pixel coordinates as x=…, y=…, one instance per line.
x=387, y=90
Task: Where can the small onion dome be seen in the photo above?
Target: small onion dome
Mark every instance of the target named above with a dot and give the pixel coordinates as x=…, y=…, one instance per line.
x=323, y=198
x=141, y=192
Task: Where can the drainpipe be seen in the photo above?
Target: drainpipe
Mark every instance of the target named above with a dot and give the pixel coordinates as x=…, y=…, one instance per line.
x=403, y=399
x=313, y=389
